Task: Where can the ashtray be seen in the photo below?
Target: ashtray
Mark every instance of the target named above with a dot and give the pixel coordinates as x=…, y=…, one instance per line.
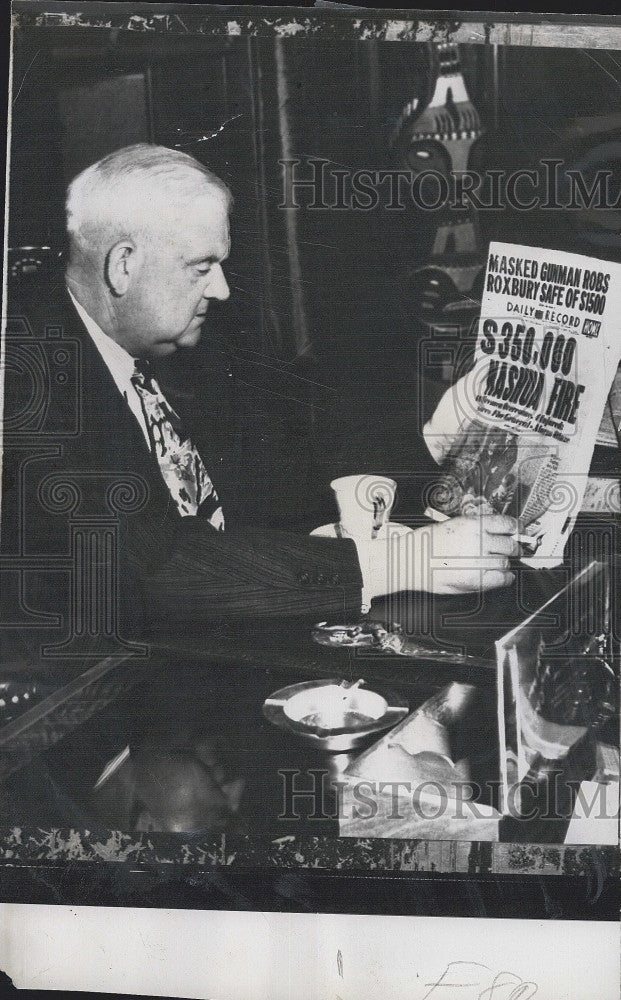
x=333, y=714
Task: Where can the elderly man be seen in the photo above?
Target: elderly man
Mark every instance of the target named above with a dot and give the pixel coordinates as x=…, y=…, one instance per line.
x=148, y=235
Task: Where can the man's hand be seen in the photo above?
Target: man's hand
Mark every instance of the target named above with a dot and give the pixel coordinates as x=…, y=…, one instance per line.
x=468, y=554
x=462, y=555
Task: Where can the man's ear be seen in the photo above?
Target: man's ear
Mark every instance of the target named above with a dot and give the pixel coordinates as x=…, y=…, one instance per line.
x=120, y=264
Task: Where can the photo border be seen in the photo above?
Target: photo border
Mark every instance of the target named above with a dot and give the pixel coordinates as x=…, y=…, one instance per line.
x=220, y=873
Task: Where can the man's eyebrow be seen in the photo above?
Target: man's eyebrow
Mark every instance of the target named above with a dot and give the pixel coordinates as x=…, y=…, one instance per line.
x=205, y=259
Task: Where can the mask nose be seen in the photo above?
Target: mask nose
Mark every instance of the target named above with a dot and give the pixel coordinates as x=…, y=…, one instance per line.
x=217, y=286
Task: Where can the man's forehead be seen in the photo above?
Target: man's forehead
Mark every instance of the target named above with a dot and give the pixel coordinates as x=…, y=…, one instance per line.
x=203, y=225
x=204, y=210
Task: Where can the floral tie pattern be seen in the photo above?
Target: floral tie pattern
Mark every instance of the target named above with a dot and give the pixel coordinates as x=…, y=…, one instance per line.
x=180, y=463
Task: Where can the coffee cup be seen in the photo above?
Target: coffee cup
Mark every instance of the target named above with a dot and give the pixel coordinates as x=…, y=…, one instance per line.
x=364, y=503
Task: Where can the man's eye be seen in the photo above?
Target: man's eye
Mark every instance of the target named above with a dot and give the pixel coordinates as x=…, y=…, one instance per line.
x=205, y=269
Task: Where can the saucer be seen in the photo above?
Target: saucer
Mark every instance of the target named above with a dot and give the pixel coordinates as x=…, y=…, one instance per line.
x=330, y=530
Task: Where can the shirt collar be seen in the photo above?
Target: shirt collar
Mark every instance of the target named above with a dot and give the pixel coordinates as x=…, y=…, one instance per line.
x=120, y=363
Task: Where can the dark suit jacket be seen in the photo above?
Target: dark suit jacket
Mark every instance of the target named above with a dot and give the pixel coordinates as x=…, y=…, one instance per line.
x=77, y=459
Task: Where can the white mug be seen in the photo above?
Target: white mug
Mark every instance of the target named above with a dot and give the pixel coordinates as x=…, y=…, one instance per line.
x=364, y=504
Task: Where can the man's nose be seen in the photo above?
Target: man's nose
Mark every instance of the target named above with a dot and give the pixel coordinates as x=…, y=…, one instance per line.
x=217, y=286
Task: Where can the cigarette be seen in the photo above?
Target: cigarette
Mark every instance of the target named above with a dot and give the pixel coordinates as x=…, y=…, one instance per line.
x=436, y=515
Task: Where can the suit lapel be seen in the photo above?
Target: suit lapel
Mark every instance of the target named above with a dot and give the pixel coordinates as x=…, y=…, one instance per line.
x=111, y=439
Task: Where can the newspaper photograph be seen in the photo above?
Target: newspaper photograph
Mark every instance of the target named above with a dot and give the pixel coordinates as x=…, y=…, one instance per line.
x=310, y=508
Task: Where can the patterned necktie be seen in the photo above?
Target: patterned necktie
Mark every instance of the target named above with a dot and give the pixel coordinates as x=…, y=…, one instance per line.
x=180, y=463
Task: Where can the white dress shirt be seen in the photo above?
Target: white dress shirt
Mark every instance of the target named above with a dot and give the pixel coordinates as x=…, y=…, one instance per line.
x=119, y=363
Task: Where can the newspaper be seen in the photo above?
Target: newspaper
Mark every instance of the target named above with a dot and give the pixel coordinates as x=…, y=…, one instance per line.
x=609, y=435
x=516, y=435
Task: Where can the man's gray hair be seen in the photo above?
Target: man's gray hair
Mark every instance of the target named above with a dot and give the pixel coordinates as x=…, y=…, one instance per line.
x=125, y=190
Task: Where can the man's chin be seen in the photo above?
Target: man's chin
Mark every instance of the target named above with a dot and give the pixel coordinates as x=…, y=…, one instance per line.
x=164, y=348
x=191, y=337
